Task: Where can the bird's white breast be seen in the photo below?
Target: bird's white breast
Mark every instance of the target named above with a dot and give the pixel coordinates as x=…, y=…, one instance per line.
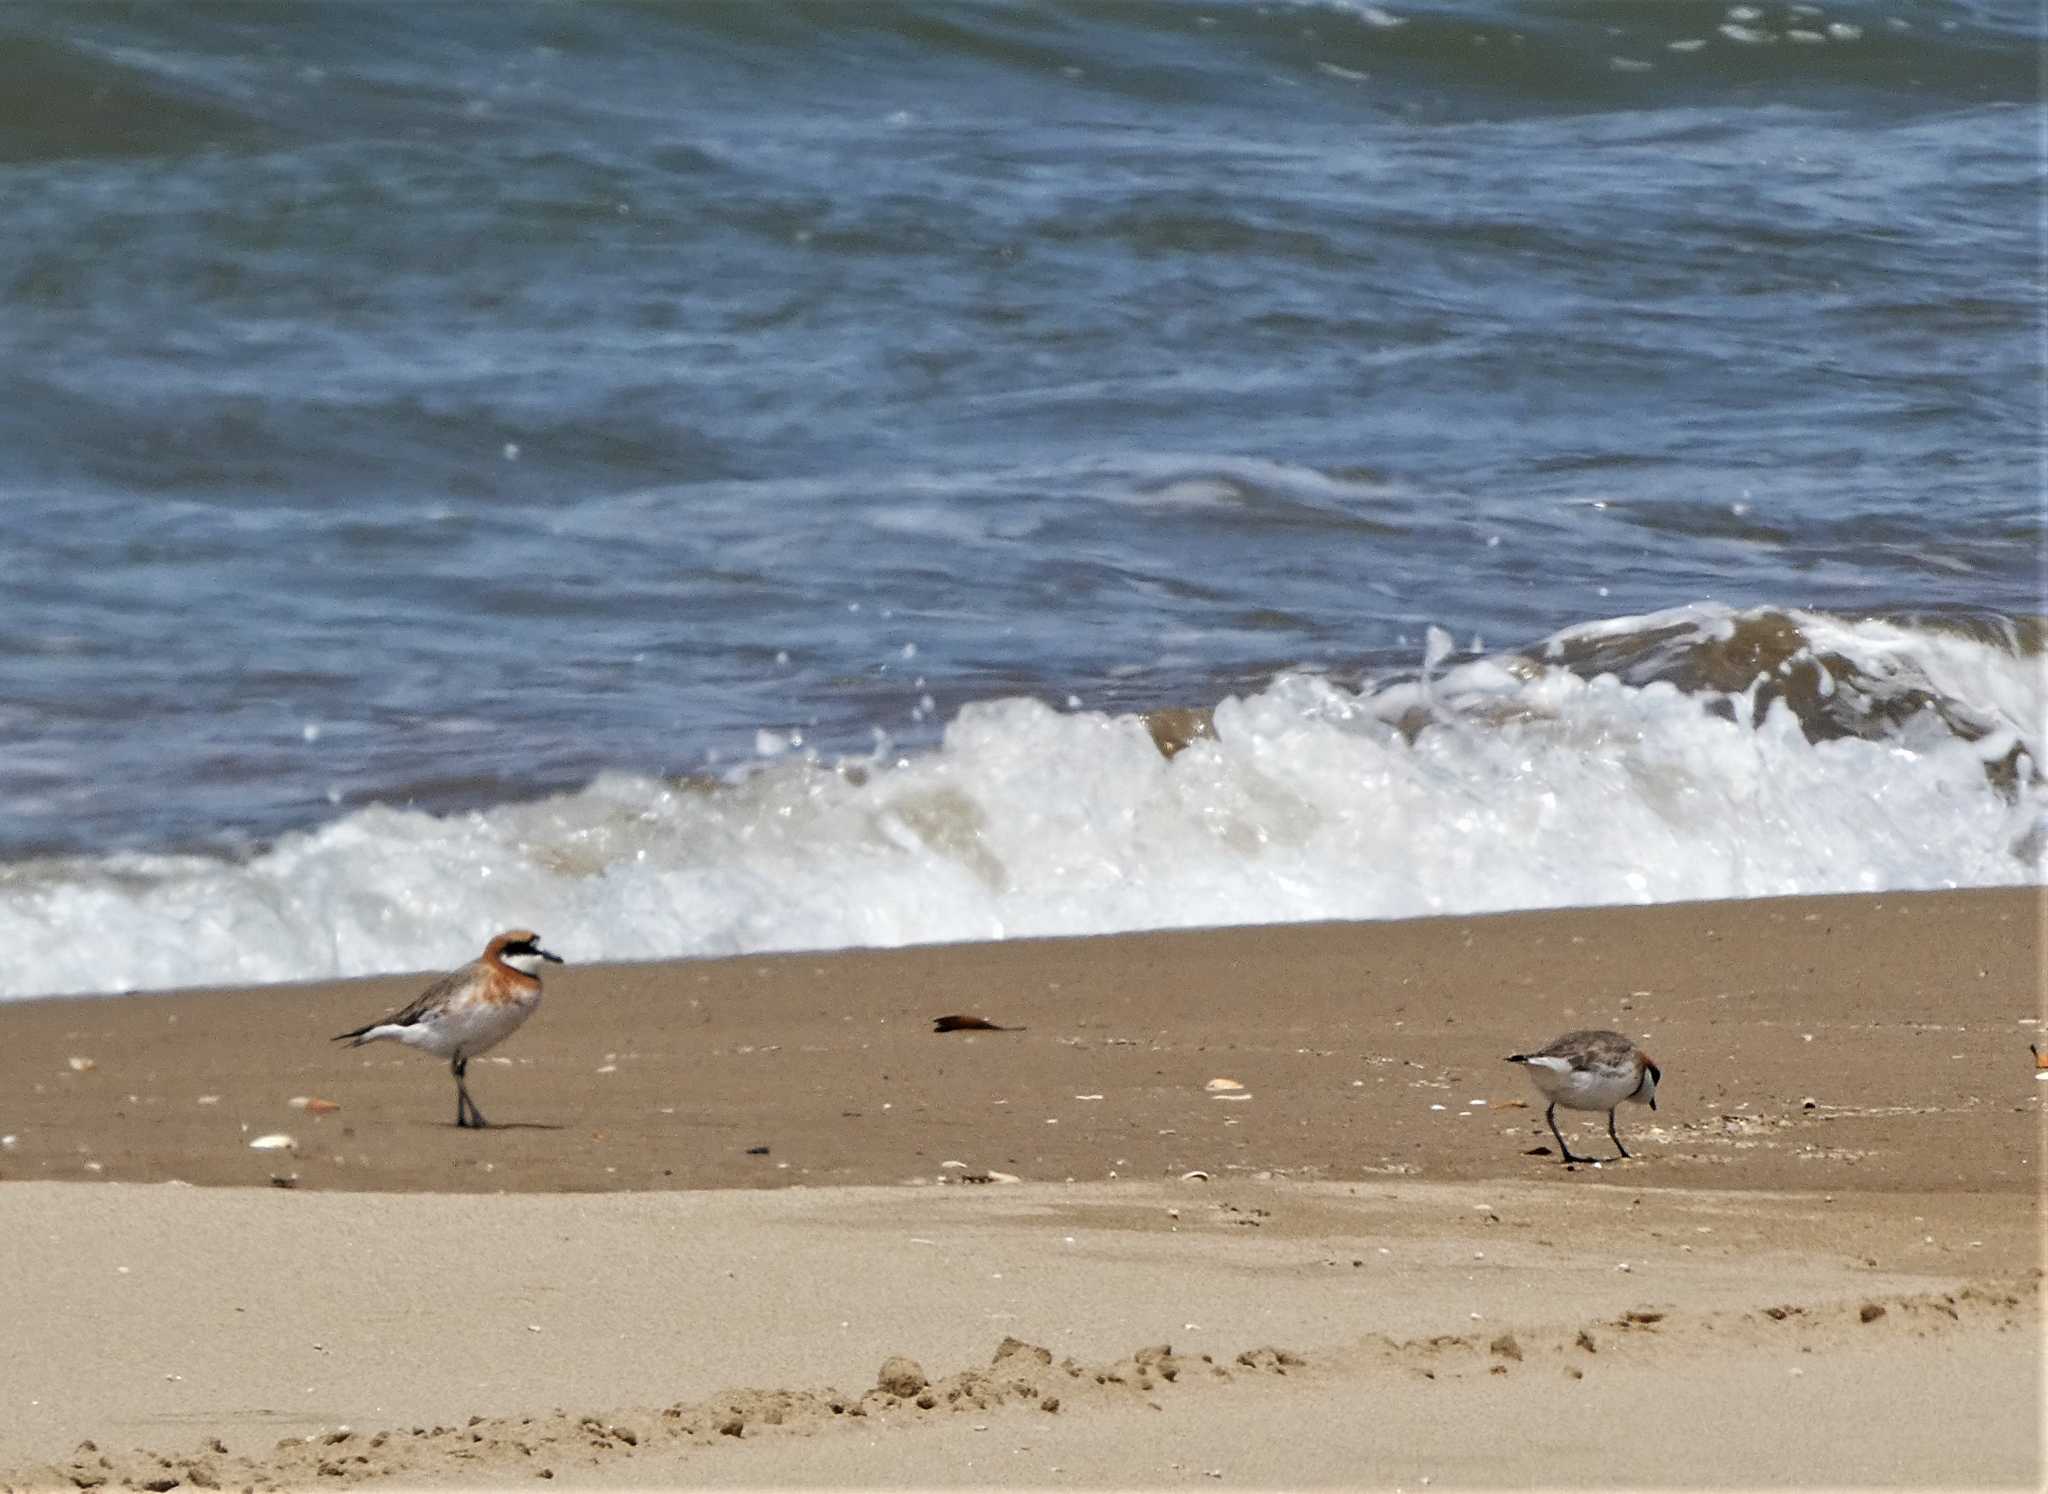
x=1598, y=1088
x=470, y=1026
x=486, y=1024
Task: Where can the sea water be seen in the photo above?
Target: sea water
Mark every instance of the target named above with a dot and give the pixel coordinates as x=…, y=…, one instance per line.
x=724, y=477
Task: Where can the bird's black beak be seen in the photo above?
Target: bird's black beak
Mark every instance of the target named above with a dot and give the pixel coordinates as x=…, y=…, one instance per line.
x=1653, y=1098
x=551, y=958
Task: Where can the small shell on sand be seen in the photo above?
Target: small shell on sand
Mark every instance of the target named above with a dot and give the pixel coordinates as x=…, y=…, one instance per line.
x=82, y=1065
x=1195, y=1176
x=313, y=1104
x=276, y=1141
x=1220, y=1084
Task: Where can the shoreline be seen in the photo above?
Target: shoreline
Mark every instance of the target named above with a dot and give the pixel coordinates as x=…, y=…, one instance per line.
x=1822, y=901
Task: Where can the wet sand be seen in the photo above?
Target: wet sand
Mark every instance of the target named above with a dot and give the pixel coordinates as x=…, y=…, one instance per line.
x=1849, y=1121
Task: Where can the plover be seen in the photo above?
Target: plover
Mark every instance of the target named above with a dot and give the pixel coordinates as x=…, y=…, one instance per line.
x=468, y=1011
x=1591, y=1070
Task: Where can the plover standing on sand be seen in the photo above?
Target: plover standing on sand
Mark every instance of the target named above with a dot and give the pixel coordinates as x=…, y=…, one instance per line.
x=468, y=1011
x=1591, y=1070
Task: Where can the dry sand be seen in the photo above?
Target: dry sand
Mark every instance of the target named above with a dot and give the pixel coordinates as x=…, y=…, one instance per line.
x=1829, y=1242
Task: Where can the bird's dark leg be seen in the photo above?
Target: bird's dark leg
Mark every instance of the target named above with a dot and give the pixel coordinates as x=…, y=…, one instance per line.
x=466, y=1113
x=1550, y=1115
x=1611, y=1132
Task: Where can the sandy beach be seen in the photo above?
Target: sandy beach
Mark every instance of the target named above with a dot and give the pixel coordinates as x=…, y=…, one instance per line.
x=721, y=1194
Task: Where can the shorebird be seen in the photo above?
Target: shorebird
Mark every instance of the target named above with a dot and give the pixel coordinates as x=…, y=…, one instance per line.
x=467, y=1011
x=1591, y=1070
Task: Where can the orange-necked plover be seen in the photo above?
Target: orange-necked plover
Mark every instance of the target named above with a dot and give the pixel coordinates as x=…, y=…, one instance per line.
x=468, y=1011
x=1591, y=1070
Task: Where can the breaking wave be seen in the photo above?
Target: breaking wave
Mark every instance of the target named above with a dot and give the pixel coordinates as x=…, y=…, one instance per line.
x=1702, y=752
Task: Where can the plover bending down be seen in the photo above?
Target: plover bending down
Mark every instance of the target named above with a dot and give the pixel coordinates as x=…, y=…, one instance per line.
x=1591, y=1070
x=468, y=1011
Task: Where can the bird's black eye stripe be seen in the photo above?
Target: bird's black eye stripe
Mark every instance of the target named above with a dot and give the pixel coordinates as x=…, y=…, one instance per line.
x=1656, y=1074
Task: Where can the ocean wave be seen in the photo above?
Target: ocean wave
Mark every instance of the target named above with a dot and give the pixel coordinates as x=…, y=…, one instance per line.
x=1702, y=752
x=172, y=80
x=61, y=99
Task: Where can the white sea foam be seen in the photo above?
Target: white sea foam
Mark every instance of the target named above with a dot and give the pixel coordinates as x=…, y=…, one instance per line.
x=1372, y=15
x=1526, y=785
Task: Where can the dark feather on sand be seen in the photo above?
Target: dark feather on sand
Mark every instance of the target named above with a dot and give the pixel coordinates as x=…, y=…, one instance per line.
x=959, y=1023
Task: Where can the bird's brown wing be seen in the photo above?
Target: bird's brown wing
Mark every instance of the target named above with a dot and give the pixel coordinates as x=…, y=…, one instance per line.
x=431, y=997
x=1588, y=1046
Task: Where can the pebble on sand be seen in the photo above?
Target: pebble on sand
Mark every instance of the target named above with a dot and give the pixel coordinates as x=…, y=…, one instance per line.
x=901, y=1377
